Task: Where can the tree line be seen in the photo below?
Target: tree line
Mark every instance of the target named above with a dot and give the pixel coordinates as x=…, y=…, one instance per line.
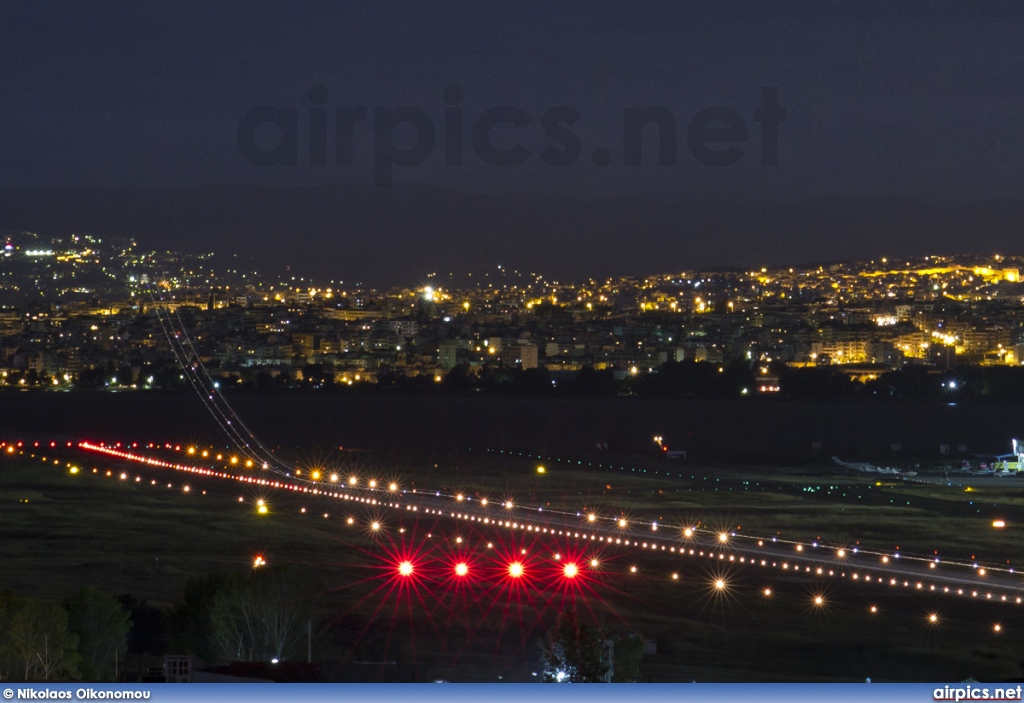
x=576, y=652
x=670, y=379
x=262, y=615
x=80, y=639
x=93, y=636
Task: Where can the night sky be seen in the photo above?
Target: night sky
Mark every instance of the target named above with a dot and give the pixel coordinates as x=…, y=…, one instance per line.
x=919, y=100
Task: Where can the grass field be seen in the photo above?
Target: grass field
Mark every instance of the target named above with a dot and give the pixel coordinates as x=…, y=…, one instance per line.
x=60, y=531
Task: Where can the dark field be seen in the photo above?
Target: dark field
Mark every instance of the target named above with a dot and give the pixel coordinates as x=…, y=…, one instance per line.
x=60, y=531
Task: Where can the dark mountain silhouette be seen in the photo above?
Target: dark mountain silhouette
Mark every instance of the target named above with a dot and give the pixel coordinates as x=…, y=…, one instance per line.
x=397, y=234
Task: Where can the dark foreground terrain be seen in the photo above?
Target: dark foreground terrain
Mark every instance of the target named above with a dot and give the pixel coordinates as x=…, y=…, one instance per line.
x=61, y=530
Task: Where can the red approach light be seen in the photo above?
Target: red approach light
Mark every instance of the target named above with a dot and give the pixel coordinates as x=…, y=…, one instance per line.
x=405, y=568
x=515, y=569
x=53, y=444
x=570, y=571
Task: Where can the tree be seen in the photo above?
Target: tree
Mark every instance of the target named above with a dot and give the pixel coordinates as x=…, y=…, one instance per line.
x=572, y=652
x=316, y=376
x=102, y=625
x=35, y=643
x=8, y=656
x=820, y=382
x=629, y=650
x=191, y=619
x=262, y=616
x=459, y=378
x=590, y=382
x=533, y=381
x=148, y=634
